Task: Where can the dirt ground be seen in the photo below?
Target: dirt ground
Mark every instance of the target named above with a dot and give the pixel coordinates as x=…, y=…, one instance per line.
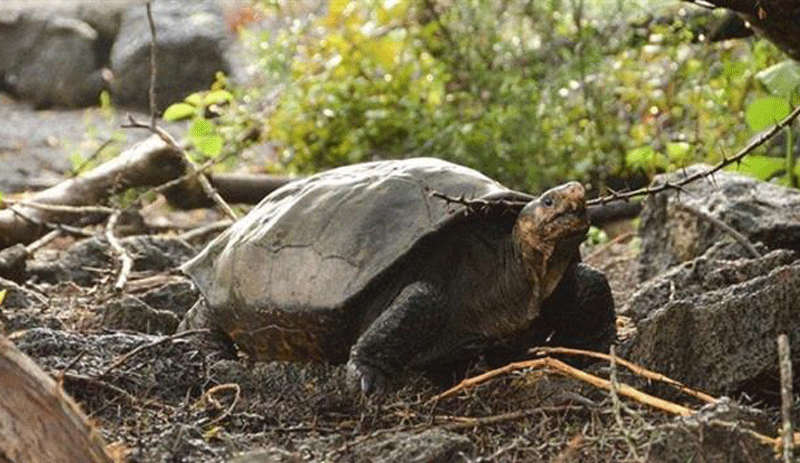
x=174, y=401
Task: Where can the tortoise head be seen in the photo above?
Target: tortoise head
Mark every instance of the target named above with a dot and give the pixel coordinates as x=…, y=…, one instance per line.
x=549, y=230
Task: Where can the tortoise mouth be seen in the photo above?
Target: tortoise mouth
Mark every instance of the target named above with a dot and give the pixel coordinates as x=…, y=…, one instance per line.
x=575, y=225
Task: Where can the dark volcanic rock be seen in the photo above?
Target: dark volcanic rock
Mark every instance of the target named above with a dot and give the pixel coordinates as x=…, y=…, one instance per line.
x=763, y=212
x=430, y=446
x=713, y=324
x=720, y=267
x=719, y=432
x=433, y=445
x=192, y=39
x=85, y=262
x=130, y=313
x=49, y=59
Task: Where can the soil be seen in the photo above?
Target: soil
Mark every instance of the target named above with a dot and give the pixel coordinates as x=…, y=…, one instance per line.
x=175, y=400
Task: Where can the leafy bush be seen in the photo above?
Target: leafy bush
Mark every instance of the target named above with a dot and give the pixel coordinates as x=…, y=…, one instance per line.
x=530, y=93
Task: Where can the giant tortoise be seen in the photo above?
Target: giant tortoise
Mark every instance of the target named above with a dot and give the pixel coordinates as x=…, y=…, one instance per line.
x=364, y=264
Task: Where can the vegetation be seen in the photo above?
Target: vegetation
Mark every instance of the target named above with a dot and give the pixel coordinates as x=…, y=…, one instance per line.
x=530, y=93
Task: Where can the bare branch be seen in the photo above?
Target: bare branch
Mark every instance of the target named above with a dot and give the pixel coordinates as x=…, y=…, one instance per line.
x=153, y=70
x=787, y=397
x=726, y=161
x=123, y=256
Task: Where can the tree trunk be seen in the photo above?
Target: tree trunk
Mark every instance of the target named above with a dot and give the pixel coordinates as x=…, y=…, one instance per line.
x=39, y=422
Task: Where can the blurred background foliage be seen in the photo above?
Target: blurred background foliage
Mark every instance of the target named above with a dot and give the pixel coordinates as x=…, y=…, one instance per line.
x=529, y=92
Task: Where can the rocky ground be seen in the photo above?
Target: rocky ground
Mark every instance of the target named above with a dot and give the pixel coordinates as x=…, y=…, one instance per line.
x=157, y=396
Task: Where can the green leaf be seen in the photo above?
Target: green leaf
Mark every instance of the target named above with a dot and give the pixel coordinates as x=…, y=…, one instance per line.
x=781, y=79
x=179, y=111
x=760, y=167
x=195, y=99
x=217, y=97
x=766, y=111
x=205, y=137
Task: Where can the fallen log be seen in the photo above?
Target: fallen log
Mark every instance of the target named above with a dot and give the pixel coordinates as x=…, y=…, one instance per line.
x=234, y=188
x=39, y=422
x=148, y=163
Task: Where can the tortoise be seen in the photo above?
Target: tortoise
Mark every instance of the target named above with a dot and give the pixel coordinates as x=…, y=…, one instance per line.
x=362, y=264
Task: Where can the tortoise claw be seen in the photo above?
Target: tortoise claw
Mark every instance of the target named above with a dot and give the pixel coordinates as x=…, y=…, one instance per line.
x=369, y=380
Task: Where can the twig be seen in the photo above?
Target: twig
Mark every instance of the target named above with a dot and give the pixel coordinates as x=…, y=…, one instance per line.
x=164, y=135
x=62, y=207
x=466, y=422
x=193, y=170
x=480, y=204
x=205, y=230
x=149, y=345
x=617, y=405
x=153, y=67
x=639, y=370
x=208, y=398
x=787, y=397
x=43, y=241
x=125, y=259
x=602, y=248
x=726, y=161
x=132, y=399
x=741, y=239
x=77, y=169
x=558, y=366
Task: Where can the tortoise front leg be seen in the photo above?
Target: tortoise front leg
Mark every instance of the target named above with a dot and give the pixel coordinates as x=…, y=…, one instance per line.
x=407, y=328
x=580, y=312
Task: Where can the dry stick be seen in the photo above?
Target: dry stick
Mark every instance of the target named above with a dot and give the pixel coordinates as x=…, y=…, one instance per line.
x=164, y=135
x=726, y=161
x=43, y=241
x=617, y=405
x=77, y=170
x=558, y=366
x=152, y=87
x=741, y=239
x=62, y=207
x=649, y=190
x=203, y=230
x=122, y=254
x=637, y=369
x=600, y=249
x=193, y=170
x=208, y=398
x=787, y=398
x=149, y=345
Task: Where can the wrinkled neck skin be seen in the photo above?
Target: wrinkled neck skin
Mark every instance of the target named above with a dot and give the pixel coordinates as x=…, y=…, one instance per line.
x=544, y=264
x=511, y=302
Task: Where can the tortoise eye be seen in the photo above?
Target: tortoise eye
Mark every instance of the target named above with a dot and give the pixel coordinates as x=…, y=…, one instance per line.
x=547, y=201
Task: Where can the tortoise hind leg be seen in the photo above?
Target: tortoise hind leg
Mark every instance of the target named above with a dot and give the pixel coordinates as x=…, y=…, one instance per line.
x=409, y=326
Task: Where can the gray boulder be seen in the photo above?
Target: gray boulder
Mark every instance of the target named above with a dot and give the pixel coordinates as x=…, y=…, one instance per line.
x=192, y=39
x=763, y=212
x=713, y=323
x=719, y=432
x=49, y=59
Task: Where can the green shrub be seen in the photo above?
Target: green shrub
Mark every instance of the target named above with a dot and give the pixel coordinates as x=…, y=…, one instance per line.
x=530, y=93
